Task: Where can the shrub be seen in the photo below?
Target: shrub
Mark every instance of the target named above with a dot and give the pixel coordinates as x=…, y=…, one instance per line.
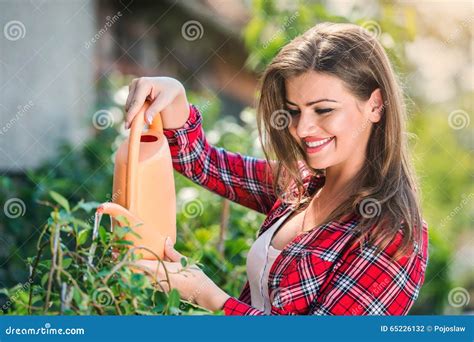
x=82, y=268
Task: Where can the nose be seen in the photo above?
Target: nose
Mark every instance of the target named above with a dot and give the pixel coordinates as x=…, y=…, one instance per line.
x=307, y=125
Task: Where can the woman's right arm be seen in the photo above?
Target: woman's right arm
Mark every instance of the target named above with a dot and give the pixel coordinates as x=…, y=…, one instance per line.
x=242, y=179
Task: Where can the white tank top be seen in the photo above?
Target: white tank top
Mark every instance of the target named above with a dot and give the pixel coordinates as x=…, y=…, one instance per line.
x=260, y=259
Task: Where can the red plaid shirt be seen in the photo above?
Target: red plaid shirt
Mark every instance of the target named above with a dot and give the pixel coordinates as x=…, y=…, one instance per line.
x=321, y=272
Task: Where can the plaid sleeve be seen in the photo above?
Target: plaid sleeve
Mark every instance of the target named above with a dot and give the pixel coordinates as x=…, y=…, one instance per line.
x=361, y=284
x=242, y=179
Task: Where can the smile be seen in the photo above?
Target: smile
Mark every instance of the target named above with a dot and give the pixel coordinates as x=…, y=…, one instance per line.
x=315, y=146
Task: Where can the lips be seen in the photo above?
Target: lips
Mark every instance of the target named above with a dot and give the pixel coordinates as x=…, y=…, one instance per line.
x=312, y=147
x=313, y=142
x=314, y=138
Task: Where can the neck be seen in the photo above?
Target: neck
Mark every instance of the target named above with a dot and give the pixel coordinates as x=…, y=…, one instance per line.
x=339, y=177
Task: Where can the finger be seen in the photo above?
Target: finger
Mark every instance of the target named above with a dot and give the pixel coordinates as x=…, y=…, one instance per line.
x=142, y=91
x=148, y=265
x=156, y=273
x=156, y=107
x=153, y=269
x=131, y=92
x=152, y=94
x=170, y=252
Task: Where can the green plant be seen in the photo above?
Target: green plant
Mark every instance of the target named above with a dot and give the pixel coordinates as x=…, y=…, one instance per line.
x=82, y=268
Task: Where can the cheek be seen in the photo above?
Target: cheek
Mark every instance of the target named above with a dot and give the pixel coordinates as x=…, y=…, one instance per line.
x=351, y=131
x=345, y=127
x=340, y=126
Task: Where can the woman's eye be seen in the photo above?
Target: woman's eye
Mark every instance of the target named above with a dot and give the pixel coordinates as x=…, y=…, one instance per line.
x=293, y=112
x=323, y=110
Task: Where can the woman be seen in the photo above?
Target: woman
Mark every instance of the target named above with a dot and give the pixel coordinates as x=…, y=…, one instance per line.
x=344, y=233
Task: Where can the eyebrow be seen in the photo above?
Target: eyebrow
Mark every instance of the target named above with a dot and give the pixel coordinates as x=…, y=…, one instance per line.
x=311, y=102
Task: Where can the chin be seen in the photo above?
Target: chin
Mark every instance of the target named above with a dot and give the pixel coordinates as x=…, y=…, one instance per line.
x=315, y=164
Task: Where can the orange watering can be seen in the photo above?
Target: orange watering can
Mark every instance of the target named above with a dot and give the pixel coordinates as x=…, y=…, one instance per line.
x=143, y=187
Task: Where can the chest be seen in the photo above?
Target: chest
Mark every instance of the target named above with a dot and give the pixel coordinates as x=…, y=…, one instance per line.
x=289, y=229
x=297, y=223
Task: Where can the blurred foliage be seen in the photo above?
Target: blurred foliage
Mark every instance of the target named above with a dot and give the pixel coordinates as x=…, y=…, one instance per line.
x=274, y=24
x=445, y=168
x=85, y=173
x=83, y=268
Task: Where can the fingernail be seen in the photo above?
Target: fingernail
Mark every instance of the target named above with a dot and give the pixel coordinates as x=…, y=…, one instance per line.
x=149, y=119
x=168, y=241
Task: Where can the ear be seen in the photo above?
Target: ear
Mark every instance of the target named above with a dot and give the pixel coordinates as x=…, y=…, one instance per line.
x=375, y=106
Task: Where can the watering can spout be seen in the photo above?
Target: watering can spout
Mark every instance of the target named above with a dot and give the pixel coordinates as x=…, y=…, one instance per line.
x=114, y=210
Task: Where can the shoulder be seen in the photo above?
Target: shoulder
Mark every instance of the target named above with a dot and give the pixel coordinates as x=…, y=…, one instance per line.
x=407, y=271
x=363, y=281
x=339, y=241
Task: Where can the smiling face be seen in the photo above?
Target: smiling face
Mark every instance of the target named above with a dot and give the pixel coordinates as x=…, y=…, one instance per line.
x=330, y=124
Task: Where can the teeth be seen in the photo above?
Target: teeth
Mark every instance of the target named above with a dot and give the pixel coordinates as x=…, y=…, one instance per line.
x=317, y=143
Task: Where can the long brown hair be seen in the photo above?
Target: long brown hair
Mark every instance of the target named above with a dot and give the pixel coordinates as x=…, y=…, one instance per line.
x=384, y=193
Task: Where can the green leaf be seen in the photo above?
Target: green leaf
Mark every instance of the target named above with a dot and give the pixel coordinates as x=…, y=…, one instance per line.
x=44, y=278
x=159, y=299
x=63, y=202
x=120, y=232
x=79, y=223
x=124, y=242
x=123, y=220
x=77, y=297
x=203, y=235
x=86, y=206
x=184, y=261
x=82, y=236
x=45, y=263
x=66, y=263
x=77, y=206
x=173, y=298
x=103, y=273
x=103, y=235
x=67, y=229
x=138, y=280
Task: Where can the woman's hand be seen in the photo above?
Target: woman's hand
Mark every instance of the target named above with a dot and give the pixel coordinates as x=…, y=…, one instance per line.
x=191, y=282
x=166, y=95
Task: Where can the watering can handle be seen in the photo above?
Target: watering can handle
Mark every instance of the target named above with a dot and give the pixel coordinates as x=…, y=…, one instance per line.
x=136, y=129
